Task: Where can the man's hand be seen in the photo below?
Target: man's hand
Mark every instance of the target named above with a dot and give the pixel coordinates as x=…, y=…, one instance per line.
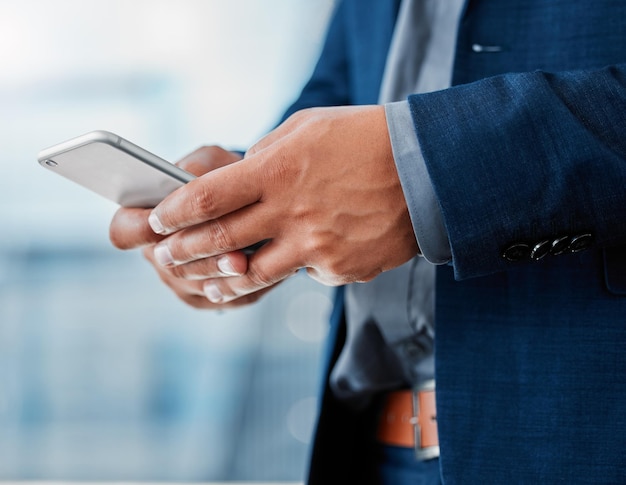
x=322, y=189
x=129, y=229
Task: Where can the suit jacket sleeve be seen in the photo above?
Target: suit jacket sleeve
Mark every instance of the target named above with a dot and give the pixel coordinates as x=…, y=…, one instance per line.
x=523, y=158
x=329, y=83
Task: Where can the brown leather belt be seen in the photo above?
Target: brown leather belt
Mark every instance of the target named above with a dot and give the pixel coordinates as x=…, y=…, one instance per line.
x=409, y=419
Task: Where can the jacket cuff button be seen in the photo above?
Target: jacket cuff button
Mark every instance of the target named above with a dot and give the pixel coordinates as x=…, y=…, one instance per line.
x=516, y=252
x=580, y=243
x=560, y=245
x=540, y=250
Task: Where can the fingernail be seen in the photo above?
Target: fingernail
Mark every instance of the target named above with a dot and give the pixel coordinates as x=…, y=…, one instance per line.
x=155, y=223
x=213, y=293
x=226, y=267
x=163, y=255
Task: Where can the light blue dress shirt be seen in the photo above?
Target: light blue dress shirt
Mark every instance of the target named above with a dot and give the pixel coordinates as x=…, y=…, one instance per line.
x=390, y=320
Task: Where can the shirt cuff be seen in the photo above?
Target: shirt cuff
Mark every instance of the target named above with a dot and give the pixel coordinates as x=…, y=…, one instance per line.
x=423, y=206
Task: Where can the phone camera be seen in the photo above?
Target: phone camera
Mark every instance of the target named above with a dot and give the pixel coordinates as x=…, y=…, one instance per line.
x=51, y=163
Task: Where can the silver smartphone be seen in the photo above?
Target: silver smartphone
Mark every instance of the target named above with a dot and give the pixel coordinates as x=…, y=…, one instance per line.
x=115, y=168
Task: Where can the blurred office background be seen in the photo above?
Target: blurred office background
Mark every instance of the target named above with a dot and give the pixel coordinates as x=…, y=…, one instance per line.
x=104, y=374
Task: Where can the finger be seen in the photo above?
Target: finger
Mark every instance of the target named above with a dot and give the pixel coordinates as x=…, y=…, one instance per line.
x=208, y=197
x=266, y=268
x=235, y=301
x=198, y=300
x=203, y=303
x=129, y=229
x=192, y=292
x=231, y=264
x=179, y=285
x=226, y=234
x=206, y=159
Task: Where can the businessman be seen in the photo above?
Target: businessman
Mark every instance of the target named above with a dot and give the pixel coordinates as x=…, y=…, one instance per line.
x=524, y=161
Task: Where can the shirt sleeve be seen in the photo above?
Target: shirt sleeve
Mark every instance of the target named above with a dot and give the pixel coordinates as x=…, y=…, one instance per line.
x=423, y=206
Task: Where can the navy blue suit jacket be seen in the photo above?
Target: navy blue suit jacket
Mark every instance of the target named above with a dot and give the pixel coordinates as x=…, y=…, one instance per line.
x=529, y=149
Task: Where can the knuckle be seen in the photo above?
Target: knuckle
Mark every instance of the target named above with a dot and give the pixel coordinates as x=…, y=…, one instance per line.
x=282, y=168
x=338, y=266
x=254, y=148
x=319, y=249
x=178, y=271
x=259, y=278
x=333, y=269
x=202, y=202
x=220, y=237
x=303, y=114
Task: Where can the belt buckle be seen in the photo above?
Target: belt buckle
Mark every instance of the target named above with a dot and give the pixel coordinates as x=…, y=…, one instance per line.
x=424, y=421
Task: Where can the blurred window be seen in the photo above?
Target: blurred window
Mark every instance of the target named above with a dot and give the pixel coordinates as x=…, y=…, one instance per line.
x=104, y=374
